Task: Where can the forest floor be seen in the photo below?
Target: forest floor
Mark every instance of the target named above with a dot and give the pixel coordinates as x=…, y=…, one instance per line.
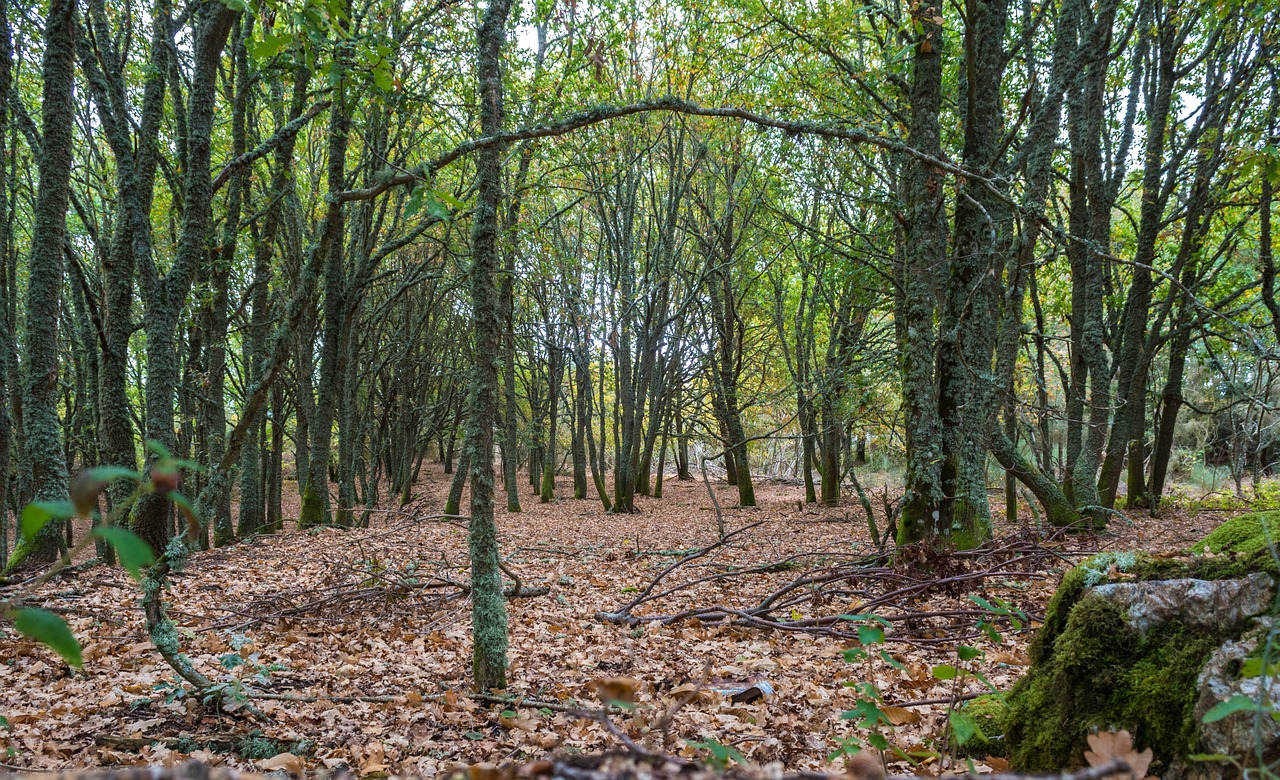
x=356, y=642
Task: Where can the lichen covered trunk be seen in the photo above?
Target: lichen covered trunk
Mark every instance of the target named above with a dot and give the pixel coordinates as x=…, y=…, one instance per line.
x=165, y=295
x=488, y=608
x=924, y=253
x=44, y=280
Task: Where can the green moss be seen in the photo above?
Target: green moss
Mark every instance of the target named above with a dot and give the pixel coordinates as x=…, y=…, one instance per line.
x=1091, y=671
x=1162, y=689
x=1219, y=567
x=1246, y=538
x=1097, y=673
x=259, y=748
x=312, y=513
x=990, y=713
x=1055, y=616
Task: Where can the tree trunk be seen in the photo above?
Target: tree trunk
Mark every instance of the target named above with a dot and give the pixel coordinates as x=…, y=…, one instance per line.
x=925, y=243
x=488, y=608
x=44, y=278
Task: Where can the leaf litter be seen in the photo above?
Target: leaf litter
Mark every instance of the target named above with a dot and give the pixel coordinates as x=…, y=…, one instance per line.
x=355, y=643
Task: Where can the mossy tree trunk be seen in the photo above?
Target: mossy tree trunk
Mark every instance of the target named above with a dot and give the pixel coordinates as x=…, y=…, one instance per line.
x=1131, y=352
x=314, y=484
x=488, y=608
x=577, y=442
x=8, y=344
x=555, y=371
x=215, y=418
x=136, y=156
x=924, y=248
x=165, y=295
x=45, y=276
x=256, y=498
x=983, y=227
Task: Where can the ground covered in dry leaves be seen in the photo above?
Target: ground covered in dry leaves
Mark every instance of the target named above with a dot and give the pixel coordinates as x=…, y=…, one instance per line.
x=354, y=644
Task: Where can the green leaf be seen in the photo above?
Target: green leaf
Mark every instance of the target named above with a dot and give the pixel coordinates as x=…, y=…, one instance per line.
x=38, y=513
x=269, y=46
x=894, y=662
x=112, y=473
x=134, y=553
x=870, y=635
x=854, y=654
x=382, y=77
x=414, y=204
x=1253, y=668
x=158, y=449
x=50, y=630
x=722, y=754
x=964, y=726
x=944, y=672
x=986, y=682
x=1237, y=703
x=865, y=710
x=967, y=653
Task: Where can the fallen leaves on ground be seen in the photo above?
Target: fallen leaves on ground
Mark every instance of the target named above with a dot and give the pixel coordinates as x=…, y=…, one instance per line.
x=362, y=638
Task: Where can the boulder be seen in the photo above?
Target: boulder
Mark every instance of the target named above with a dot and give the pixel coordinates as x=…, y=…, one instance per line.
x=1223, y=606
x=1147, y=644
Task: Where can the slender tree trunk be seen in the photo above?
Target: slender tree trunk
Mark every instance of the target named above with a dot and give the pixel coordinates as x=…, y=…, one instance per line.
x=315, y=484
x=488, y=608
x=45, y=276
x=166, y=295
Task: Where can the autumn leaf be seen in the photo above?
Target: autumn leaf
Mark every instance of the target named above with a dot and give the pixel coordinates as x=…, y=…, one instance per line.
x=1109, y=745
x=616, y=689
x=288, y=762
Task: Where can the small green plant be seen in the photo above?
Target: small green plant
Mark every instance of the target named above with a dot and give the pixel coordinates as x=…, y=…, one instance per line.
x=721, y=755
x=868, y=712
x=134, y=554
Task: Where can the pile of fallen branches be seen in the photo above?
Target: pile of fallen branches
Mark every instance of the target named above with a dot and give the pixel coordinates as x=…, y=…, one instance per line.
x=901, y=587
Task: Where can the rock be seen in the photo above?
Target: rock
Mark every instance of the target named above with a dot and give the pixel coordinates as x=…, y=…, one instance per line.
x=1149, y=655
x=1220, y=606
x=1234, y=735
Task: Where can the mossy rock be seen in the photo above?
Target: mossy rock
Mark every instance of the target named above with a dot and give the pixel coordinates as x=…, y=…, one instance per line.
x=1095, y=667
x=1244, y=541
x=989, y=712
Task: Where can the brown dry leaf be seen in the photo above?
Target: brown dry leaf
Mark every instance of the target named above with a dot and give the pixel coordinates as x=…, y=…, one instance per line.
x=1109, y=745
x=900, y=716
x=622, y=689
x=290, y=763
x=487, y=771
x=864, y=766
x=401, y=646
x=374, y=760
